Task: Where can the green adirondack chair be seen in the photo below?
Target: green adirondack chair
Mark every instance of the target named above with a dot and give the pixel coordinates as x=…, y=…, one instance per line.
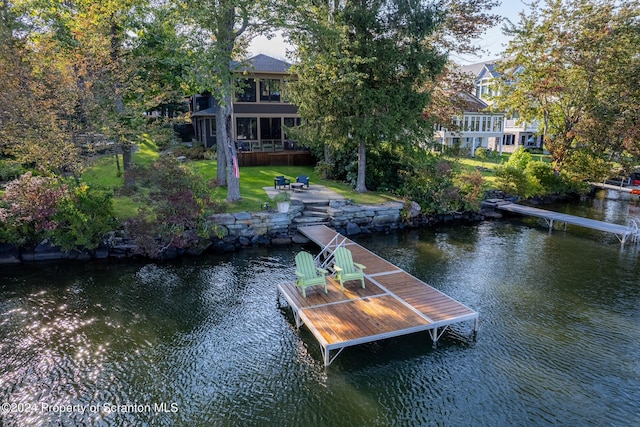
x=345, y=268
x=307, y=274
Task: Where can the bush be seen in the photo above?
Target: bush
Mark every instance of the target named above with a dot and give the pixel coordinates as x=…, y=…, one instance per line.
x=472, y=188
x=519, y=159
x=27, y=209
x=176, y=210
x=35, y=208
x=550, y=182
x=429, y=181
x=516, y=181
x=192, y=153
x=10, y=170
x=83, y=218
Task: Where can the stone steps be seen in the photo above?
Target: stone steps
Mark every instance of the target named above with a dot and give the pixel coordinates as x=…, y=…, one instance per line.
x=309, y=220
x=317, y=214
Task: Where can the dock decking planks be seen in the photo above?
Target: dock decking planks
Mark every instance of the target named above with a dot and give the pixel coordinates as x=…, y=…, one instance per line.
x=393, y=303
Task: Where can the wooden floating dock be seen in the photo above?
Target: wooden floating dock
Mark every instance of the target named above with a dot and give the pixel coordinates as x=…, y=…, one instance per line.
x=394, y=303
x=622, y=232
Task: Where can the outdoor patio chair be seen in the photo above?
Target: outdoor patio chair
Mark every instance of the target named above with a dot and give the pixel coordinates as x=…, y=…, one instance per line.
x=303, y=179
x=281, y=181
x=345, y=268
x=307, y=274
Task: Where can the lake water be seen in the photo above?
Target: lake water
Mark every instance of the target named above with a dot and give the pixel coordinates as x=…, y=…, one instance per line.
x=203, y=342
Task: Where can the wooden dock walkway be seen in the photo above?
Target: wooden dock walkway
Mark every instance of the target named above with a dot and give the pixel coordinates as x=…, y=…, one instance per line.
x=394, y=303
x=622, y=232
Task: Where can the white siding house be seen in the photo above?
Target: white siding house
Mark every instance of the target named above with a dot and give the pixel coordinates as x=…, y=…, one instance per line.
x=477, y=127
x=516, y=133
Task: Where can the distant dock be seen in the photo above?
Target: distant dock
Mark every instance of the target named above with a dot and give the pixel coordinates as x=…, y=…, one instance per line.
x=622, y=232
x=394, y=302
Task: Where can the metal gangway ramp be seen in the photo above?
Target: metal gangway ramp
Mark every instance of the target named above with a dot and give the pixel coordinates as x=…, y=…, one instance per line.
x=622, y=232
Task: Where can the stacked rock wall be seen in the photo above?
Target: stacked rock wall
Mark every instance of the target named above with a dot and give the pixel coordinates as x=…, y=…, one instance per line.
x=251, y=228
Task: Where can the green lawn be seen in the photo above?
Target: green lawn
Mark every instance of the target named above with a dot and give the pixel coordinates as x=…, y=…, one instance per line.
x=488, y=166
x=254, y=178
x=103, y=173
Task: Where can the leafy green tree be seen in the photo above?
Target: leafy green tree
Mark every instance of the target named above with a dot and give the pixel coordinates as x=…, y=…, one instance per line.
x=86, y=57
x=350, y=53
x=362, y=66
x=38, y=98
x=572, y=68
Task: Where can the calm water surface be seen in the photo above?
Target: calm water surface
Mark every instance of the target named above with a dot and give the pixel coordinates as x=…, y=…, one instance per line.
x=202, y=342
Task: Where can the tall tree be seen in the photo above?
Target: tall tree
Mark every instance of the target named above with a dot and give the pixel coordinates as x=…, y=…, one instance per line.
x=38, y=98
x=95, y=41
x=573, y=68
x=362, y=66
x=221, y=30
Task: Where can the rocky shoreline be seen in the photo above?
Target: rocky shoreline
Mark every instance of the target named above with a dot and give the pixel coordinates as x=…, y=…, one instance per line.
x=246, y=229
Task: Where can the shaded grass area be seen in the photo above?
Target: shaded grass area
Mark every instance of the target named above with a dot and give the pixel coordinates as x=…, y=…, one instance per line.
x=488, y=166
x=103, y=173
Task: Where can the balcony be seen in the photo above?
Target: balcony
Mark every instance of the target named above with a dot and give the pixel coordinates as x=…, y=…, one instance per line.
x=512, y=125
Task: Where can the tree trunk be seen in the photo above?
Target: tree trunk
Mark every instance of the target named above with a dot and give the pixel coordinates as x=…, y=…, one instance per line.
x=233, y=168
x=222, y=137
x=116, y=59
x=326, y=171
x=362, y=164
x=226, y=36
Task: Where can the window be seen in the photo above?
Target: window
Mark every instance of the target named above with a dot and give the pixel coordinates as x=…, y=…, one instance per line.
x=246, y=91
x=202, y=102
x=212, y=127
x=270, y=90
x=292, y=121
x=247, y=128
x=285, y=92
x=270, y=128
x=497, y=124
x=475, y=124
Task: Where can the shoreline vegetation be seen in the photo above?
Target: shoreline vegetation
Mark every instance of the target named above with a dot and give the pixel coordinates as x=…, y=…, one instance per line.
x=174, y=206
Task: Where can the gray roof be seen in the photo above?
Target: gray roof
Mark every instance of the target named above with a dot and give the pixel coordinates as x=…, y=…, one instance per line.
x=263, y=64
x=206, y=112
x=476, y=69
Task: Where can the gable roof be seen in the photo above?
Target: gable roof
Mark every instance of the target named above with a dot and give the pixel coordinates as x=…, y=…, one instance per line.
x=472, y=103
x=489, y=70
x=263, y=64
x=478, y=67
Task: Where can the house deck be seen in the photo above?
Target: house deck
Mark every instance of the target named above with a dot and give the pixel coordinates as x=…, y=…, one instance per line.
x=394, y=303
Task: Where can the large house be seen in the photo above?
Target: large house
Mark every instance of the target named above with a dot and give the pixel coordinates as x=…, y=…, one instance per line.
x=261, y=110
x=516, y=133
x=478, y=127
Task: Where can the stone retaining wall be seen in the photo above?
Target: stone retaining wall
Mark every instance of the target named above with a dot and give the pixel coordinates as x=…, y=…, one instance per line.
x=255, y=228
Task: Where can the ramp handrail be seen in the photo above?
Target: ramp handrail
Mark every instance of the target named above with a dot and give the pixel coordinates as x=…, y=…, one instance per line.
x=326, y=254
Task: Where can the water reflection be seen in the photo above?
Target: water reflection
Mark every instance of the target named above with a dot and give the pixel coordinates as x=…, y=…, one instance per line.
x=203, y=341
